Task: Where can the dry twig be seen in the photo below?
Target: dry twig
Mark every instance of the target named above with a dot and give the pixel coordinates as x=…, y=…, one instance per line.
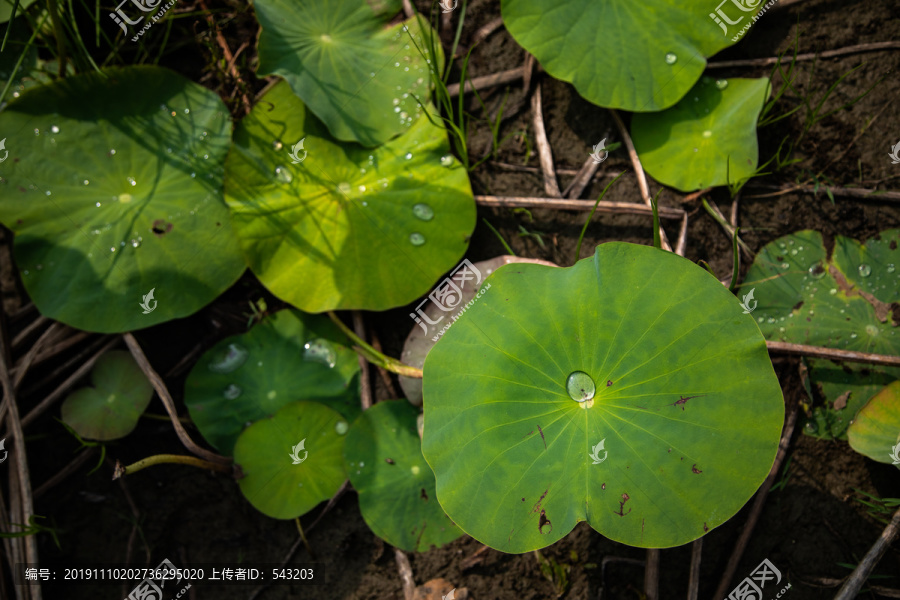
x=562, y=204
x=406, y=574
x=861, y=573
x=551, y=186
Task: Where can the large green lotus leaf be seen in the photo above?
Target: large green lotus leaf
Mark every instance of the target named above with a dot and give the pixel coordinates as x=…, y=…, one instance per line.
x=681, y=430
x=113, y=188
x=358, y=76
x=384, y=459
x=292, y=460
x=707, y=139
x=805, y=297
x=348, y=227
x=638, y=55
x=876, y=430
x=111, y=409
x=288, y=356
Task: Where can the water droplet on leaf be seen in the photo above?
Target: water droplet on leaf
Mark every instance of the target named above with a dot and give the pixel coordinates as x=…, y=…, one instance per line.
x=423, y=212
x=228, y=359
x=320, y=350
x=580, y=386
x=416, y=239
x=671, y=59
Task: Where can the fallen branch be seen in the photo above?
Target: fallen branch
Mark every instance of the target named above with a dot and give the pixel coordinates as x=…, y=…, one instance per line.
x=406, y=574
x=163, y=393
x=545, y=154
x=177, y=459
x=765, y=62
x=833, y=354
x=564, y=204
x=861, y=573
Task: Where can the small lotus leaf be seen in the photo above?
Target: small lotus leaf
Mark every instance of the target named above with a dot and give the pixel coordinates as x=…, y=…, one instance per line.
x=679, y=421
x=806, y=297
x=638, y=55
x=287, y=356
x=876, y=430
x=345, y=227
x=111, y=409
x=707, y=139
x=384, y=459
x=358, y=76
x=292, y=460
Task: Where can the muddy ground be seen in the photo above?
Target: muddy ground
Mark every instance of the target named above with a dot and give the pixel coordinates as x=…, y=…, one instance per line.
x=809, y=528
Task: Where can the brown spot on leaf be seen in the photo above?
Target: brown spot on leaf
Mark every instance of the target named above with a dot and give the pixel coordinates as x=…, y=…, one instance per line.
x=882, y=309
x=160, y=227
x=544, y=525
x=893, y=245
x=537, y=505
x=602, y=486
x=423, y=495
x=705, y=528
x=695, y=470
x=622, y=513
x=608, y=382
x=389, y=461
x=841, y=401
x=797, y=306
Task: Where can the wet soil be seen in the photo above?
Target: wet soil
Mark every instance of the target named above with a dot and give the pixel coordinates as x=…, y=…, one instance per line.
x=810, y=528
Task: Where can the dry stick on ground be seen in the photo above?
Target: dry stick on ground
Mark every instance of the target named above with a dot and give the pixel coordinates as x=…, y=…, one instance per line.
x=226, y=51
x=525, y=169
x=134, y=525
x=561, y=204
x=408, y=9
x=821, y=582
x=758, y=503
x=480, y=35
x=833, y=354
x=25, y=333
x=486, y=81
x=57, y=348
x=70, y=468
x=582, y=179
x=729, y=229
x=385, y=377
x=551, y=186
x=651, y=574
x=734, y=210
x=858, y=577
x=639, y=170
x=10, y=545
x=406, y=574
x=21, y=458
x=68, y=383
x=682, y=236
x=29, y=357
x=365, y=393
x=694, y=578
x=765, y=62
x=78, y=359
x=160, y=387
x=837, y=191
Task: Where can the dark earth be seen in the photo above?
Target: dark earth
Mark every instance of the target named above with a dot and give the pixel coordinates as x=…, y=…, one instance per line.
x=812, y=528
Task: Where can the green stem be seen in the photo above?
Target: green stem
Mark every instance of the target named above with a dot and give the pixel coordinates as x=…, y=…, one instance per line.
x=374, y=356
x=737, y=260
x=303, y=537
x=158, y=459
x=53, y=9
x=590, y=216
x=499, y=237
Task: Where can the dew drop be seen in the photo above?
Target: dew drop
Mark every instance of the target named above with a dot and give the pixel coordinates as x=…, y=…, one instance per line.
x=785, y=265
x=131, y=181
x=811, y=427
x=870, y=329
x=228, y=359
x=341, y=427
x=232, y=392
x=112, y=152
x=865, y=270
x=86, y=182
x=136, y=242
x=423, y=212
x=721, y=83
x=891, y=268
x=282, y=174
x=816, y=271
x=853, y=336
x=343, y=188
x=707, y=133
x=187, y=111
x=416, y=239
x=446, y=160
x=671, y=59
x=408, y=155
x=321, y=351
x=580, y=386
x=54, y=129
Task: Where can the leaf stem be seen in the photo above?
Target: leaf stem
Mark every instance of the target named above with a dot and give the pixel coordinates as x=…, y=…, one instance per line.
x=374, y=356
x=158, y=459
